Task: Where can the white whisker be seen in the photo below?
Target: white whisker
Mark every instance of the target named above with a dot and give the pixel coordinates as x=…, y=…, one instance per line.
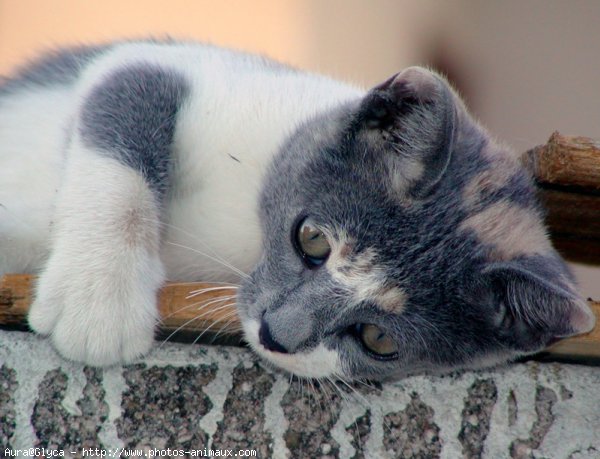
x=226, y=316
x=227, y=326
x=360, y=398
x=198, y=317
x=218, y=259
x=199, y=304
x=192, y=283
x=201, y=291
x=215, y=256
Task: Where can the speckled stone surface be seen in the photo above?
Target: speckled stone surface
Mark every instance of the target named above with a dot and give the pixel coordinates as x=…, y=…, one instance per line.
x=475, y=424
x=8, y=384
x=163, y=406
x=185, y=399
x=58, y=424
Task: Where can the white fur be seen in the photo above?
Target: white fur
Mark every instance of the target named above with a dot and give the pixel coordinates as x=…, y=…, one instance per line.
x=321, y=362
x=31, y=139
x=96, y=294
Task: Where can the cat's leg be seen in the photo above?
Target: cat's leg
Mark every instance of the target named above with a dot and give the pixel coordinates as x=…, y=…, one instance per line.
x=96, y=297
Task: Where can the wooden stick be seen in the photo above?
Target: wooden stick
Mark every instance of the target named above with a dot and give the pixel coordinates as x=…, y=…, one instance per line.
x=179, y=307
x=574, y=223
x=179, y=310
x=567, y=171
x=566, y=161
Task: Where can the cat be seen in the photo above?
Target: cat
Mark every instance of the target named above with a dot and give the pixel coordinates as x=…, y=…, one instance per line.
x=375, y=233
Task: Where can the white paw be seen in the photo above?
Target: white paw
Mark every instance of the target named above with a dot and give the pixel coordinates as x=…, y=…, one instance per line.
x=96, y=297
x=96, y=320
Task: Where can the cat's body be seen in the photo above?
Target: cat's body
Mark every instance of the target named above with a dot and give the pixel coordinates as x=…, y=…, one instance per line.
x=222, y=171
x=118, y=165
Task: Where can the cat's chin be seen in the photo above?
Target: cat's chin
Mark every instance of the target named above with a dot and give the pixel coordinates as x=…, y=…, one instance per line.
x=320, y=362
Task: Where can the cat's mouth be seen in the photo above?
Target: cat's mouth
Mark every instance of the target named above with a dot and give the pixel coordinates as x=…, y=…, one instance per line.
x=319, y=362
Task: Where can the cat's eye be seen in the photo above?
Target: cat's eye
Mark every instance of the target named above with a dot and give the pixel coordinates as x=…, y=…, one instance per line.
x=376, y=340
x=505, y=319
x=312, y=243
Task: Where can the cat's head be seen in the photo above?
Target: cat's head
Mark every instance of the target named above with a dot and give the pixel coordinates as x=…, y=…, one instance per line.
x=400, y=238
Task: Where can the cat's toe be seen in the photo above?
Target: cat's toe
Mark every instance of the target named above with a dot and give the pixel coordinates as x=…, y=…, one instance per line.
x=137, y=346
x=101, y=344
x=41, y=318
x=79, y=343
x=44, y=311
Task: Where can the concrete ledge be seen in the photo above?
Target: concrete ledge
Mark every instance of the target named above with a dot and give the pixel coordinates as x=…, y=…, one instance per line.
x=195, y=397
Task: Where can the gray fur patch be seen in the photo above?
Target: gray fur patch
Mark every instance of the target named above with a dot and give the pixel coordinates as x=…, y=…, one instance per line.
x=131, y=116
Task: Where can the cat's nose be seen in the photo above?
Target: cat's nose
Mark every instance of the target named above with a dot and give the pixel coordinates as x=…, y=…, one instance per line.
x=267, y=340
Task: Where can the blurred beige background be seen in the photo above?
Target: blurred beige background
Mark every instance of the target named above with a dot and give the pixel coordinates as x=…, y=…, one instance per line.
x=526, y=68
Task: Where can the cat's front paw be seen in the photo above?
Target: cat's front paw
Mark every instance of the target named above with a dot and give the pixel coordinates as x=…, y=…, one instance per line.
x=95, y=321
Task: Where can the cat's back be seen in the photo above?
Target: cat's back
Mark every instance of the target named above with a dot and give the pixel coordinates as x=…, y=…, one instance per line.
x=225, y=90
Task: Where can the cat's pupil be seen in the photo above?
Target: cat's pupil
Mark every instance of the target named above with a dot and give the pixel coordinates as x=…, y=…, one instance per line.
x=376, y=340
x=312, y=243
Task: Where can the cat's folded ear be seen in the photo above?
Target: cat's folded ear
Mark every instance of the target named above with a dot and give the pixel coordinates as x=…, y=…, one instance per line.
x=411, y=117
x=532, y=302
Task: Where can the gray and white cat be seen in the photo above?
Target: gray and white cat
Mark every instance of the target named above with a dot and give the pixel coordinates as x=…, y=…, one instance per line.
x=375, y=233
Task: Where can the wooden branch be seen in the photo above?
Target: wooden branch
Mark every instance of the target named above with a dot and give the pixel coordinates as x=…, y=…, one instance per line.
x=574, y=223
x=566, y=161
x=567, y=171
x=178, y=310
